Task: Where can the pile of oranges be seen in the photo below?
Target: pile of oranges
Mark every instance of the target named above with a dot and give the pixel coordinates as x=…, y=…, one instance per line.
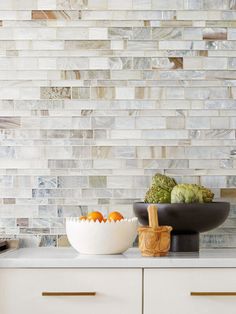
x=114, y=216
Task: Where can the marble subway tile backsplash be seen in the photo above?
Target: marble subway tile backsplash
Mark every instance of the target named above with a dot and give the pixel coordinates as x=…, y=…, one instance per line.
x=97, y=96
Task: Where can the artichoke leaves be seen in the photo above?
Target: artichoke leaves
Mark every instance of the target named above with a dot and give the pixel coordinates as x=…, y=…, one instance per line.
x=191, y=193
x=165, y=190
x=160, y=190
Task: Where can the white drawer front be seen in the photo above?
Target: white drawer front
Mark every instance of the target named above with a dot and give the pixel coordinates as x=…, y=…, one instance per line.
x=117, y=291
x=168, y=291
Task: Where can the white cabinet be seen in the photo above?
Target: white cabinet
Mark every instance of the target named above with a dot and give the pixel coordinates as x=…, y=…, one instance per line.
x=117, y=291
x=169, y=291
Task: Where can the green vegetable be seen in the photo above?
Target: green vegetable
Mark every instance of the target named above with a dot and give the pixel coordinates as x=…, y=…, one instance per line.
x=207, y=195
x=157, y=195
x=160, y=189
x=163, y=182
x=191, y=193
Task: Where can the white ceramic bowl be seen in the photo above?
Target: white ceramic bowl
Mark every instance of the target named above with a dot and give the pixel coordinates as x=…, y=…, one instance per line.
x=89, y=237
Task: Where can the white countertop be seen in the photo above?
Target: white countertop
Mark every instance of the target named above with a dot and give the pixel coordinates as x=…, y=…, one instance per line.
x=69, y=258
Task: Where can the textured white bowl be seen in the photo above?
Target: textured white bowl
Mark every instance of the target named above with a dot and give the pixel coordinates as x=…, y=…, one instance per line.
x=89, y=237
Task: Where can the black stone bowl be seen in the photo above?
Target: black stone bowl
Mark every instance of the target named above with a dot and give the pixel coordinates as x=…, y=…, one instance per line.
x=187, y=221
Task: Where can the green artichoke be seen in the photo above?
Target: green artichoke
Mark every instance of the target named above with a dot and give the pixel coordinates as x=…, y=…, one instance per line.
x=157, y=195
x=207, y=195
x=160, y=189
x=164, y=182
x=191, y=193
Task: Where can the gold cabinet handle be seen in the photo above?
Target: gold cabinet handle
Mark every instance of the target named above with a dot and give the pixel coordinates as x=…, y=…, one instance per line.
x=68, y=294
x=213, y=294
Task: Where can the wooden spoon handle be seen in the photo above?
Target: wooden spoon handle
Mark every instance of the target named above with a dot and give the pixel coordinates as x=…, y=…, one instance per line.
x=153, y=216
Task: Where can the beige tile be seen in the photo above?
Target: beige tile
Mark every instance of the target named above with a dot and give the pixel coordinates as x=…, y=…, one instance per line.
x=98, y=33
x=124, y=4
x=55, y=93
x=97, y=4
x=124, y=93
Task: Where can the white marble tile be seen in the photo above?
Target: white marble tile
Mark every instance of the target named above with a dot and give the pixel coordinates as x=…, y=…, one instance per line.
x=106, y=93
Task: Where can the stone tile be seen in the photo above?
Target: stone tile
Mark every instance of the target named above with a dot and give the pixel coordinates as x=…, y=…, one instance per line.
x=103, y=122
x=62, y=241
x=165, y=33
x=98, y=33
x=87, y=44
x=72, y=63
x=213, y=181
x=102, y=92
x=122, y=63
x=142, y=63
x=97, y=4
x=46, y=4
x=167, y=5
x=71, y=4
x=55, y=92
x=232, y=4
x=205, y=4
x=73, y=33
x=175, y=122
x=148, y=152
x=97, y=182
x=141, y=33
x=124, y=4
x=120, y=33
x=72, y=210
x=215, y=33
x=231, y=181
x=142, y=4
x=22, y=222
x=43, y=15
x=125, y=93
x=150, y=123
x=47, y=211
x=48, y=241
x=192, y=33
x=72, y=182
x=47, y=182
x=98, y=95
x=167, y=63
x=10, y=122
x=80, y=92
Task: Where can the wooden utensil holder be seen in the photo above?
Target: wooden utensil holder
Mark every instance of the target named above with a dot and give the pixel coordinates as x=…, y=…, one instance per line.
x=154, y=240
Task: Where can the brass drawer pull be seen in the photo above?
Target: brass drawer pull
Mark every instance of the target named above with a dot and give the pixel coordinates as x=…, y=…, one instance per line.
x=68, y=294
x=213, y=294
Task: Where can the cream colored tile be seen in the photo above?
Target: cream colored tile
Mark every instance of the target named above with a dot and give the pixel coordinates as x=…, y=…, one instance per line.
x=117, y=45
x=124, y=93
x=98, y=33
x=47, y=4
x=97, y=4
x=167, y=4
x=99, y=63
x=124, y=4
x=142, y=4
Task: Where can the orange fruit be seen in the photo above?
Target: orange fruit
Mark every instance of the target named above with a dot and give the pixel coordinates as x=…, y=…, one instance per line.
x=95, y=216
x=82, y=218
x=115, y=216
x=104, y=219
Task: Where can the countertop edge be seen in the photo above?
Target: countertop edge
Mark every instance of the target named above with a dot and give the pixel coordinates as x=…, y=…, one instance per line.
x=68, y=258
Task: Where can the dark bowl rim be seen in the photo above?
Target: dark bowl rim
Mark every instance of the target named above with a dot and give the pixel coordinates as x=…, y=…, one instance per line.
x=141, y=202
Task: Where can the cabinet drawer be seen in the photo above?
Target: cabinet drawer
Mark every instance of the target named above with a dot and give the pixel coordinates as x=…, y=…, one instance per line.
x=117, y=291
x=169, y=291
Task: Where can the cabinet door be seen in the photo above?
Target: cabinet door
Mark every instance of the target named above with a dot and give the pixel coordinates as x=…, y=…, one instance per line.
x=117, y=291
x=169, y=291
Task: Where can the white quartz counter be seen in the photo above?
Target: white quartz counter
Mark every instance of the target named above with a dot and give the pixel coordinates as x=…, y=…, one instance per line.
x=68, y=258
